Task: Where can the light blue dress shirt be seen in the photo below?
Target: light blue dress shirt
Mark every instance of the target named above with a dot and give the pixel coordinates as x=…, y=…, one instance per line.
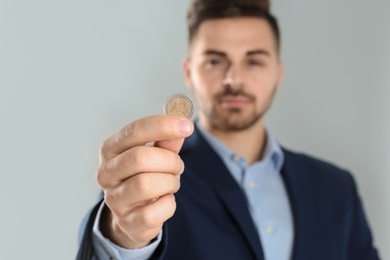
x=267, y=199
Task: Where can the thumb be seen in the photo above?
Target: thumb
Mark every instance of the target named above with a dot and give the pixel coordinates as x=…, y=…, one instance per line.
x=173, y=145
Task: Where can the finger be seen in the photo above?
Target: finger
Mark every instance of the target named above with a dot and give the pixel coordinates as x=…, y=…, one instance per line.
x=148, y=217
x=173, y=145
x=140, y=159
x=140, y=190
x=145, y=130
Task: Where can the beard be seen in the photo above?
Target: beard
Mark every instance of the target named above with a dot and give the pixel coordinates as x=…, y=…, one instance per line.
x=235, y=119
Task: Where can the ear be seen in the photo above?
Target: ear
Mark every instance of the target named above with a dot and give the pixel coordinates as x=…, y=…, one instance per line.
x=280, y=75
x=187, y=72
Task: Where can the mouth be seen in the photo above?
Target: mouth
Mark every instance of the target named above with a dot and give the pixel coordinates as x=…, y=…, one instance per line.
x=233, y=102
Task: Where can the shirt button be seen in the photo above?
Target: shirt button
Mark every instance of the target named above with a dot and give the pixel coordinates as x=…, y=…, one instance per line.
x=268, y=230
x=236, y=158
x=251, y=185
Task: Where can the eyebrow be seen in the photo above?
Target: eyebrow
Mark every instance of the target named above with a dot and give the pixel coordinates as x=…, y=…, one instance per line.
x=258, y=52
x=215, y=52
x=248, y=53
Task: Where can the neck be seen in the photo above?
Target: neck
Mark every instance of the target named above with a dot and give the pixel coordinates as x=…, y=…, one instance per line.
x=250, y=142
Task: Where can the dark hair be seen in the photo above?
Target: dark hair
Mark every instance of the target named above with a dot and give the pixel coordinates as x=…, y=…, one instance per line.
x=202, y=10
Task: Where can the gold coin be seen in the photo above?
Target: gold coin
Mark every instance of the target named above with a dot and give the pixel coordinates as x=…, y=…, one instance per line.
x=179, y=105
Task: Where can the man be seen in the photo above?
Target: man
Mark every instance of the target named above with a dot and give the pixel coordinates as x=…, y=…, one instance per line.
x=230, y=191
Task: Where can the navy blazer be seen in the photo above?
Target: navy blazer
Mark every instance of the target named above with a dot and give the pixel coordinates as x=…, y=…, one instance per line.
x=212, y=220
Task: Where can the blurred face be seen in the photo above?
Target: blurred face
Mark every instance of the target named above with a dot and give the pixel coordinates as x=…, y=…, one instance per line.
x=234, y=71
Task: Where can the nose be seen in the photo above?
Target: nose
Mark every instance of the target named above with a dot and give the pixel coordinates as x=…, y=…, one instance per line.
x=233, y=78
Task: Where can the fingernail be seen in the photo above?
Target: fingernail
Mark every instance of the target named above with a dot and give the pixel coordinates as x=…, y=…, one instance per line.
x=184, y=126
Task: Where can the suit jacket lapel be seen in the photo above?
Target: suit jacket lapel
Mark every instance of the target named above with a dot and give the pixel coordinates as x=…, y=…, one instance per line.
x=302, y=203
x=227, y=189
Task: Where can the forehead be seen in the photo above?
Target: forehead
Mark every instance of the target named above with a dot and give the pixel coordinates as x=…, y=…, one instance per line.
x=234, y=35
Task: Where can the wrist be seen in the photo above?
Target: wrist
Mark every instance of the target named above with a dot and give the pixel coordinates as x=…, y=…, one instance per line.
x=111, y=230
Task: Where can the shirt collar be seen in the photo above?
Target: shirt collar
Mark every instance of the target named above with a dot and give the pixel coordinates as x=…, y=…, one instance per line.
x=272, y=151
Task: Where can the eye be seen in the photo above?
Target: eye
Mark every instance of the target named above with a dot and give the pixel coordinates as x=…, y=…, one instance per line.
x=215, y=62
x=254, y=62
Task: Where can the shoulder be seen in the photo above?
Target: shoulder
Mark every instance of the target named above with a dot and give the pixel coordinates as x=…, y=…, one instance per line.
x=332, y=188
x=317, y=170
x=312, y=163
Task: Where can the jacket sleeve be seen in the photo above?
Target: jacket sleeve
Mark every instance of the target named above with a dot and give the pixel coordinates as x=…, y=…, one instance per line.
x=361, y=240
x=86, y=249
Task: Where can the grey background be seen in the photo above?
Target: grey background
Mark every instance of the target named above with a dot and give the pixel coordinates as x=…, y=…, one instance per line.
x=74, y=72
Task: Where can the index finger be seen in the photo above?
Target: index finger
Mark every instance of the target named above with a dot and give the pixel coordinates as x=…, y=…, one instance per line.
x=145, y=130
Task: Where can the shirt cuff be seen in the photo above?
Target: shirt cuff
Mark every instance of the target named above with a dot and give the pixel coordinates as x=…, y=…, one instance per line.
x=105, y=249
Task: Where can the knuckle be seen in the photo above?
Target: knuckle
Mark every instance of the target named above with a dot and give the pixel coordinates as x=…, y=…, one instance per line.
x=172, y=184
x=143, y=184
x=164, y=126
x=131, y=129
x=100, y=173
x=147, y=218
x=102, y=150
x=116, y=200
x=139, y=155
x=109, y=199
